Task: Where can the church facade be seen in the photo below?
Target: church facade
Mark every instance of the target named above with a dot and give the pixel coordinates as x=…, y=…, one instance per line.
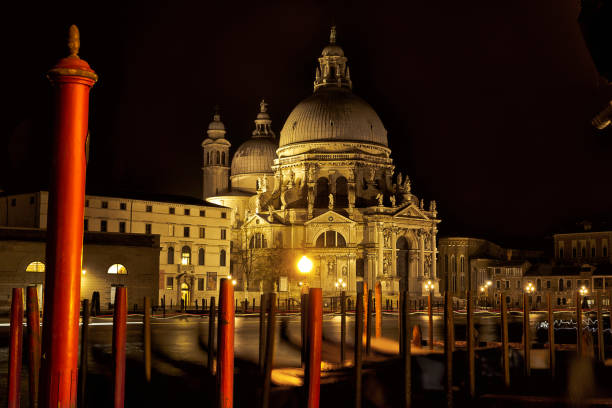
x=325, y=189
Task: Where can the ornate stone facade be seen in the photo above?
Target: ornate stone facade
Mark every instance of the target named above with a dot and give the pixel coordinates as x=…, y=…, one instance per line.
x=333, y=196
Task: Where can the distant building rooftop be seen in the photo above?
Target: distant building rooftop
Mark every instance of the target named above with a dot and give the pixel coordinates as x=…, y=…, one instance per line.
x=94, y=238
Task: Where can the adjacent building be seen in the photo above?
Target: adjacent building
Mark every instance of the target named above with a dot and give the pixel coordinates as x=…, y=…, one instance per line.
x=194, y=236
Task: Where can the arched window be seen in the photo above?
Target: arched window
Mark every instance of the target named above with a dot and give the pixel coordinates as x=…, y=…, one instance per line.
x=117, y=269
x=454, y=264
x=258, y=240
x=322, y=193
x=207, y=158
x=560, y=285
x=170, y=255
x=218, y=157
x=560, y=252
x=341, y=192
x=186, y=255
x=538, y=284
x=35, y=266
x=223, y=158
x=201, y=256
x=593, y=251
x=462, y=263
x=583, y=251
x=330, y=239
x=222, y=258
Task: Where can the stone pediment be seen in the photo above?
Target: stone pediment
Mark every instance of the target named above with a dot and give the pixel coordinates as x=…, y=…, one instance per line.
x=256, y=220
x=330, y=217
x=412, y=211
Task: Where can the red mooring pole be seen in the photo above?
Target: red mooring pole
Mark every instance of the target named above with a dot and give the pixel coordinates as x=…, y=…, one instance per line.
x=33, y=343
x=15, y=345
x=225, y=345
x=119, y=340
x=315, y=335
x=72, y=79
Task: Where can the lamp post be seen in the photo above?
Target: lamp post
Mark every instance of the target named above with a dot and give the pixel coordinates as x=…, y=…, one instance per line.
x=582, y=292
x=429, y=287
x=529, y=289
x=304, y=265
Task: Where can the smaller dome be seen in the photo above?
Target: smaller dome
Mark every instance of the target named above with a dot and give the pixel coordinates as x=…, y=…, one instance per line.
x=256, y=155
x=216, y=128
x=332, y=50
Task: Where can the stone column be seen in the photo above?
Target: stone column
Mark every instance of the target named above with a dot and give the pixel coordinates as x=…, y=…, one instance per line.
x=434, y=253
x=421, y=253
x=381, y=246
x=394, y=252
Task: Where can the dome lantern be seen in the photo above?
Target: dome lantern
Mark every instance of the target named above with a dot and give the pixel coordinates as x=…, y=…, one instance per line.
x=332, y=70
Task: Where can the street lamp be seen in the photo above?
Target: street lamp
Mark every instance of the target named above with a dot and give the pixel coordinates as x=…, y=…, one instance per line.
x=304, y=265
x=584, y=291
x=429, y=287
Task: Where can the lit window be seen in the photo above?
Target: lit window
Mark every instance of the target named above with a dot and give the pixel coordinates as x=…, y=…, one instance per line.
x=117, y=269
x=186, y=256
x=35, y=266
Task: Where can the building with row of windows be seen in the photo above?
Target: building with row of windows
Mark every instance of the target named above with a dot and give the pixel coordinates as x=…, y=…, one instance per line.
x=193, y=235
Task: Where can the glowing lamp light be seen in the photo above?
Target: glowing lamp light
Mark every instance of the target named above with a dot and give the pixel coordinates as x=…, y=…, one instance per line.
x=83, y=271
x=337, y=284
x=344, y=284
x=489, y=283
x=482, y=288
x=429, y=285
x=584, y=291
x=304, y=265
x=529, y=288
x=234, y=282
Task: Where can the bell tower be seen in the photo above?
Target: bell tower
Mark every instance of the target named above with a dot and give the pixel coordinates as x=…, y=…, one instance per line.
x=216, y=159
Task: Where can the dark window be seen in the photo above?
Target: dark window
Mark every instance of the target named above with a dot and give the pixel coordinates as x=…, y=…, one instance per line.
x=218, y=157
x=201, y=256
x=498, y=284
x=583, y=251
x=223, y=234
x=605, y=251
x=86, y=203
x=200, y=284
x=223, y=158
x=258, y=240
x=187, y=211
x=223, y=215
x=186, y=232
x=149, y=208
x=569, y=284
x=202, y=213
x=122, y=227
x=593, y=252
x=148, y=229
x=171, y=210
x=538, y=284
x=507, y=283
x=85, y=224
x=170, y=255
x=13, y=202
x=169, y=282
x=104, y=204
x=330, y=239
x=222, y=258
x=573, y=252
x=103, y=225
x=560, y=252
x=202, y=232
x=341, y=192
x=547, y=284
x=322, y=193
x=122, y=206
x=31, y=200
x=561, y=285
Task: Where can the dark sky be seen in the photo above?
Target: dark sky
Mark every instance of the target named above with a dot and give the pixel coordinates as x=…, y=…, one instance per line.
x=487, y=103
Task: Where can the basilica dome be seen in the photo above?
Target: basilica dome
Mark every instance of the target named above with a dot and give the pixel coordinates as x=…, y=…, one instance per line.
x=254, y=156
x=333, y=114
x=257, y=154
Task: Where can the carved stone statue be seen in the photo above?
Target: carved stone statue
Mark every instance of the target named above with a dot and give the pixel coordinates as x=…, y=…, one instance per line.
x=283, y=198
x=432, y=206
x=380, y=198
x=392, y=199
x=259, y=184
x=258, y=204
x=311, y=173
x=399, y=179
x=270, y=212
x=264, y=184
x=422, y=204
x=331, y=201
x=371, y=175
x=291, y=179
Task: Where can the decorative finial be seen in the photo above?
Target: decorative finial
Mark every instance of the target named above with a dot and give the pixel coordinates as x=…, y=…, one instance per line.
x=263, y=106
x=74, y=41
x=332, y=35
x=217, y=115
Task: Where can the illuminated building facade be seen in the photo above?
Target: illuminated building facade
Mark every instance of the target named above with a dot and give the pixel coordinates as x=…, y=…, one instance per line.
x=327, y=189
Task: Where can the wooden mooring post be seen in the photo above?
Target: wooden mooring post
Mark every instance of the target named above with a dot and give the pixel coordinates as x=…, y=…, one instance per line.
x=503, y=311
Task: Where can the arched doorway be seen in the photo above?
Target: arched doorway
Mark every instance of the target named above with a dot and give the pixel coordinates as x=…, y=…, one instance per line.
x=341, y=192
x=185, y=298
x=403, y=265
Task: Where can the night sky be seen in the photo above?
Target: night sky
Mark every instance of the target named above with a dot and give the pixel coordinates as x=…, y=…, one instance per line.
x=487, y=104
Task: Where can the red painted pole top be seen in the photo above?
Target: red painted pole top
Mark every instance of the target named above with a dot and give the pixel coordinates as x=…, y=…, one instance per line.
x=73, y=68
